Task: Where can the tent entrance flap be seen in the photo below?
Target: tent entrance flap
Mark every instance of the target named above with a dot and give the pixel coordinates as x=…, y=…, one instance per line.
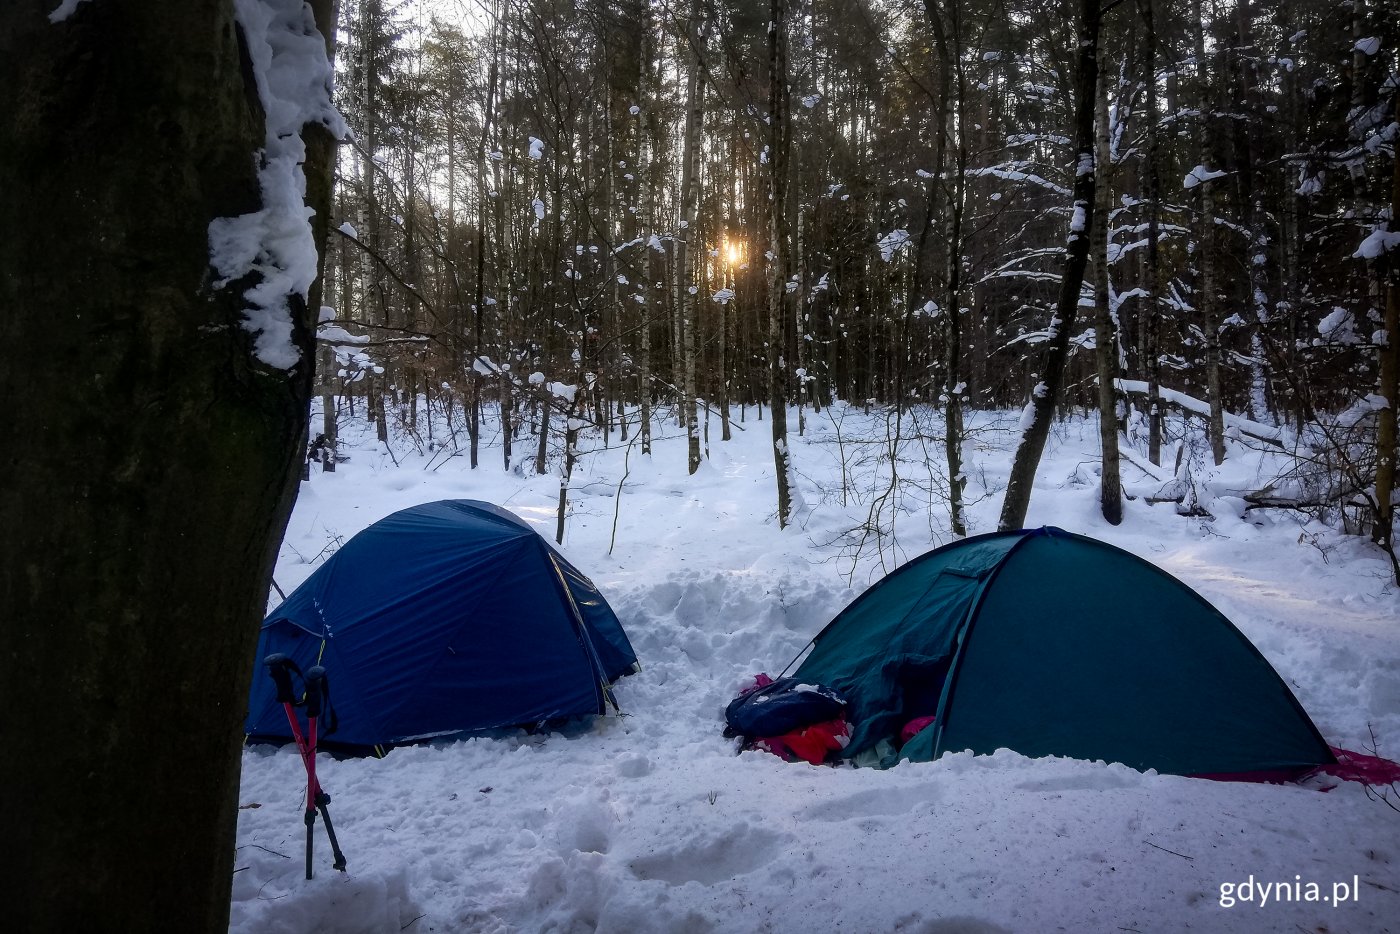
x=905, y=655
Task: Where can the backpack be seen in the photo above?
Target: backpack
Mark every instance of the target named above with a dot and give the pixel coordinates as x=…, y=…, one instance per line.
x=785, y=705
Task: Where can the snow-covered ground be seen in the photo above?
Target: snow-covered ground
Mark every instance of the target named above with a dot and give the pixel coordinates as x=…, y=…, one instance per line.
x=650, y=822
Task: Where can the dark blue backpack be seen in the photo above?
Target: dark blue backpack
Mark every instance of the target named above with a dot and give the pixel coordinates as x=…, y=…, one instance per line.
x=785, y=705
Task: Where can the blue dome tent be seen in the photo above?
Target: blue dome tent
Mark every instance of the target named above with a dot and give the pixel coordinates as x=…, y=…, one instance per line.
x=445, y=618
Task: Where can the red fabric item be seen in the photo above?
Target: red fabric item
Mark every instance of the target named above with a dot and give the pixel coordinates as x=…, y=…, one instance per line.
x=1359, y=767
x=914, y=728
x=810, y=744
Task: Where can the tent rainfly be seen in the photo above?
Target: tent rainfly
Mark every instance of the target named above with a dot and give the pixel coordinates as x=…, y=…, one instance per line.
x=1054, y=644
x=444, y=618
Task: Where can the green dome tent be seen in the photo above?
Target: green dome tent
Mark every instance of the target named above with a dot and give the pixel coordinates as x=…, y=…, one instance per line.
x=1054, y=644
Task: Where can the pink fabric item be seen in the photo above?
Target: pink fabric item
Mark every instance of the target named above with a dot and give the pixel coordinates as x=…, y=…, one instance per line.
x=760, y=680
x=914, y=728
x=1359, y=767
x=1350, y=767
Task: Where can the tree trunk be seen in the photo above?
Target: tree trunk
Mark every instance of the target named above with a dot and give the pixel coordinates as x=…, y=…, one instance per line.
x=542, y=450
x=1389, y=388
x=328, y=412
x=479, y=292
x=685, y=290
x=1248, y=160
x=722, y=356
x=1150, y=357
x=1206, y=301
x=1041, y=407
x=152, y=460
x=1290, y=304
x=948, y=45
x=777, y=240
x=1105, y=331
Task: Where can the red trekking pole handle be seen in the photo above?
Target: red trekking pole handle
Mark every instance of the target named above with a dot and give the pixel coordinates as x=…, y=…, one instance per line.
x=316, y=693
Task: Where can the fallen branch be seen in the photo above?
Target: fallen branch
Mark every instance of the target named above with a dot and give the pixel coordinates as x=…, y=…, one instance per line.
x=1190, y=405
x=1123, y=454
x=1266, y=499
x=1165, y=850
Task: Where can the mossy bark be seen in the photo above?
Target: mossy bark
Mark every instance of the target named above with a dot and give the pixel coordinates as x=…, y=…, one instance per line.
x=151, y=461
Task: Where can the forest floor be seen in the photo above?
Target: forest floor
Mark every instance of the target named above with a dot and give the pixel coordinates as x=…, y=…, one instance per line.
x=650, y=822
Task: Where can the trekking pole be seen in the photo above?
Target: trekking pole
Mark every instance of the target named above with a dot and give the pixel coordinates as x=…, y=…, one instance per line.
x=280, y=668
x=317, y=690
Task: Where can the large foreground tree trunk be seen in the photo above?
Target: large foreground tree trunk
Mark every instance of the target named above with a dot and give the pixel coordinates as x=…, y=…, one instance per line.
x=151, y=460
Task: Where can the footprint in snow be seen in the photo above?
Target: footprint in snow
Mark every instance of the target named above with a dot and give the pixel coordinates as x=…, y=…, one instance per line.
x=881, y=802
x=736, y=852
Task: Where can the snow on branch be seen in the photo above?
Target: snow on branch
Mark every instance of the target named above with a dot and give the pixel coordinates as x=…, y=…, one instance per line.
x=1379, y=242
x=1027, y=139
x=1201, y=174
x=1084, y=340
x=892, y=242
x=65, y=9
x=1015, y=175
x=1011, y=268
x=1256, y=430
x=293, y=76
